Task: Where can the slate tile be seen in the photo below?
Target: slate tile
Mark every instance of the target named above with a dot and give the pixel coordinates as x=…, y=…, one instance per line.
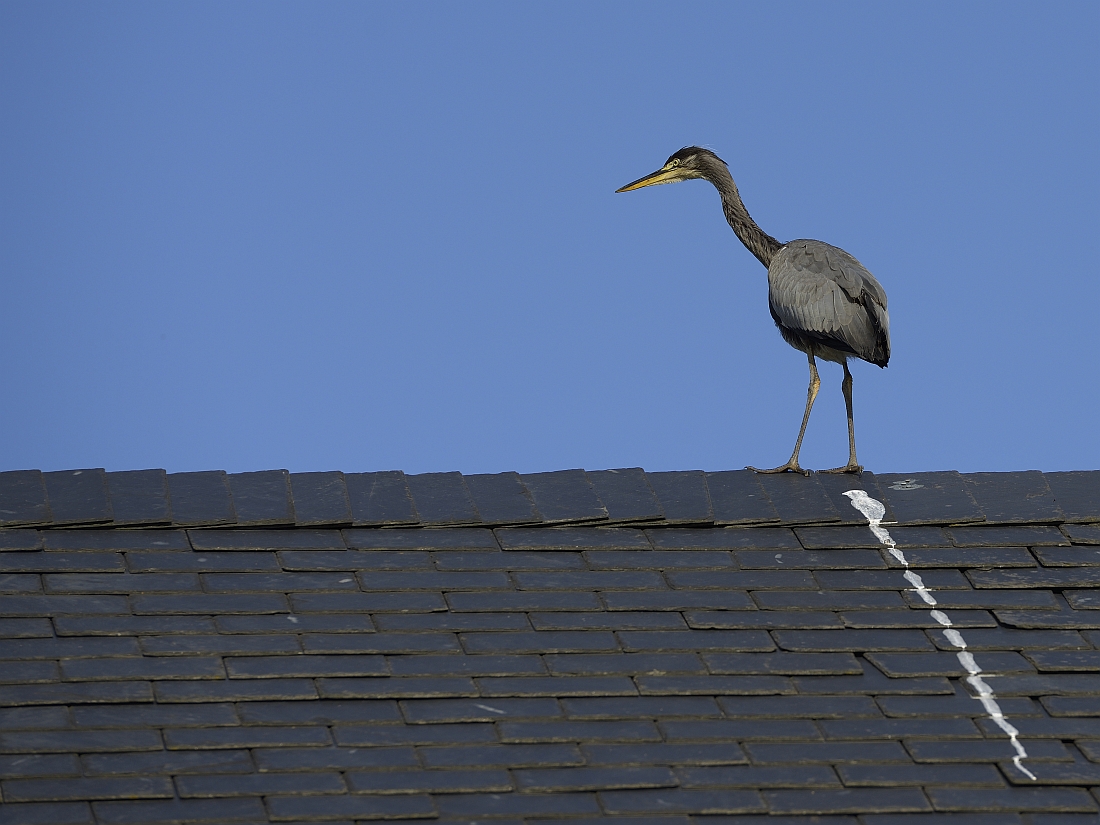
x=24, y=673
x=908, y=729
x=711, y=685
x=929, y=498
x=626, y=494
x=210, y=786
x=564, y=496
x=847, y=800
x=1044, y=726
x=1083, y=599
x=901, y=665
x=765, y=619
x=362, y=602
x=1077, y=493
x=57, y=648
x=633, y=707
x=513, y=560
x=818, y=664
x=1014, y=498
x=451, y=538
x=915, y=618
x=16, y=540
x=1016, y=536
x=168, y=761
x=1069, y=556
x=888, y=580
x=322, y=759
x=658, y=559
x=987, y=599
x=278, y=582
x=571, y=539
x=799, y=707
x=1064, y=617
x=1082, y=533
x=404, y=687
x=20, y=583
x=967, y=557
x=31, y=628
x=320, y=712
x=456, y=621
x=434, y=711
x=743, y=730
x=556, y=686
x=381, y=498
x=120, y=582
x=590, y=580
x=872, y=682
x=512, y=804
x=1011, y=799
x=31, y=718
x=46, y=813
x=139, y=497
x=665, y=753
x=537, y=641
x=620, y=820
x=827, y=599
x=357, y=623
x=1071, y=705
x=78, y=496
x=737, y=497
x=434, y=580
x=629, y=664
x=381, y=643
x=836, y=485
x=626, y=730
x=1064, y=660
x=742, y=579
x=753, y=776
x=729, y=538
x=360, y=807
x=80, y=693
x=501, y=498
x=22, y=765
x=851, y=639
x=870, y=776
x=235, y=690
x=203, y=562
x=608, y=621
x=70, y=741
x=138, y=716
x=85, y=789
x=100, y=539
x=422, y=781
x=679, y=640
x=131, y=625
x=23, y=498
x=810, y=560
x=481, y=665
x=805, y=753
x=205, y=603
x=262, y=498
x=677, y=600
x=682, y=800
x=351, y=560
x=799, y=499
x=502, y=756
x=962, y=704
x=255, y=540
x=278, y=667
x=246, y=737
x=179, y=810
x=320, y=499
x=683, y=496
x=1080, y=772
x=145, y=667
x=52, y=605
x=506, y=601
x=442, y=499
x=201, y=499
x=593, y=779
x=984, y=750
x=941, y=818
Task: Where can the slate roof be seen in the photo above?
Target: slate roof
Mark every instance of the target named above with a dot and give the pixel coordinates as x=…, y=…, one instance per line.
x=676, y=648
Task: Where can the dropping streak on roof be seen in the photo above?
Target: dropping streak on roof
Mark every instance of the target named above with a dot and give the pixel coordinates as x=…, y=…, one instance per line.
x=614, y=645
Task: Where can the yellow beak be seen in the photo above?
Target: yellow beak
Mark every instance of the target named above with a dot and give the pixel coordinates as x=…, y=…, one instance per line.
x=660, y=176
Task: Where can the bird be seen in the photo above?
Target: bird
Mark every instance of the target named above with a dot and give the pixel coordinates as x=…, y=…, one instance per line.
x=825, y=302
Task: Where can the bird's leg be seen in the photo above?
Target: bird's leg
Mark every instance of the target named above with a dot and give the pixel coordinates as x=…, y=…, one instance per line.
x=852, y=466
x=811, y=393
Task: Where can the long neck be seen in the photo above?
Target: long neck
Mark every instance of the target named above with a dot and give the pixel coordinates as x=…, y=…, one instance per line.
x=755, y=239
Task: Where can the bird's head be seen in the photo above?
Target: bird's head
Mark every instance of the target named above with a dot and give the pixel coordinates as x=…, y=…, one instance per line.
x=690, y=162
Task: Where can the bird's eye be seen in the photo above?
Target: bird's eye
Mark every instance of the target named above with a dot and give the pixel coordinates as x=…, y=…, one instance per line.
x=675, y=162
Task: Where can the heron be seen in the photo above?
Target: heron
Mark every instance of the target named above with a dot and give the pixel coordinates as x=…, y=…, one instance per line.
x=825, y=302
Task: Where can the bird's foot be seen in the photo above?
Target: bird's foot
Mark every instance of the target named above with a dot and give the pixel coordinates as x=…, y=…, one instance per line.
x=857, y=469
x=790, y=467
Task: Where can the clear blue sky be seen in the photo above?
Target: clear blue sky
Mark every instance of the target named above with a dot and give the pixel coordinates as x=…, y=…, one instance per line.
x=361, y=236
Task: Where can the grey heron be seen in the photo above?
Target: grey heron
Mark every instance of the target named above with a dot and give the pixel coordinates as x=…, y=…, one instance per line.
x=825, y=302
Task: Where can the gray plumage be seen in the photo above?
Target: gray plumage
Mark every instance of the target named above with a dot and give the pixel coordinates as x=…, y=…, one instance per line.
x=825, y=302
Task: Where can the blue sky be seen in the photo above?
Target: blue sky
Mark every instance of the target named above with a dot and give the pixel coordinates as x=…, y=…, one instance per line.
x=367, y=236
